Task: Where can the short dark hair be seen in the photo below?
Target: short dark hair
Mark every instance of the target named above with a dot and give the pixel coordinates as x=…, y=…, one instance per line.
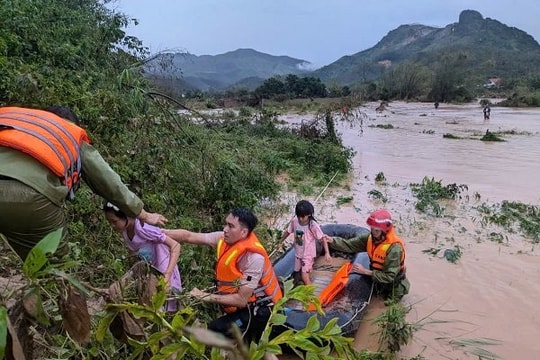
x=64, y=112
x=245, y=217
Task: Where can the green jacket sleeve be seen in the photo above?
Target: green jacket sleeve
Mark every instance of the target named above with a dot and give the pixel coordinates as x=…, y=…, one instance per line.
x=352, y=245
x=106, y=183
x=391, y=266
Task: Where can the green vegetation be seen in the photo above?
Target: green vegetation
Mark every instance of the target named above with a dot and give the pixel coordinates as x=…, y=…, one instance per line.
x=192, y=168
x=380, y=178
x=394, y=330
x=450, y=136
x=291, y=87
x=489, y=136
x=180, y=337
x=497, y=237
x=383, y=126
x=476, y=347
x=513, y=217
x=479, y=58
x=342, y=200
x=154, y=332
x=49, y=294
x=192, y=173
x=376, y=194
x=406, y=81
x=450, y=254
x=449, y=78
x=445, y=66
x=523, y=96
x=430, y=191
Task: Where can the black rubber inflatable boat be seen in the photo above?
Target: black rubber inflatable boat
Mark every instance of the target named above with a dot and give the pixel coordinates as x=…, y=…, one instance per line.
x=350, y=302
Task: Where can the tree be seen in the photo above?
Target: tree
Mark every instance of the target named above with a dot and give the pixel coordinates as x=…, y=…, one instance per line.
x=293, y=87
x=449, y=79
x=406, y=81
x=270, y=88
x=62, y=52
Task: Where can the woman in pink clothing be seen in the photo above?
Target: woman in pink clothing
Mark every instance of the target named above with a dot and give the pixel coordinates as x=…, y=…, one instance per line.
x=151, y=244
x=306, y=231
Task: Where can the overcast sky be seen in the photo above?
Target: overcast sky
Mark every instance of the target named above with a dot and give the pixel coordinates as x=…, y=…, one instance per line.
x=318, y=31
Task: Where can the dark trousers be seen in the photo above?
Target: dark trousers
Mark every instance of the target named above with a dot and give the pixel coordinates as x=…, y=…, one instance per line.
x=251, y=320
x=26, y=216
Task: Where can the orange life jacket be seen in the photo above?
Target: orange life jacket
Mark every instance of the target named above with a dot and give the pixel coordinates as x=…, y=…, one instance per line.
x=48, y=138
x=229, y=277
x=377, y=253
x=338, y=283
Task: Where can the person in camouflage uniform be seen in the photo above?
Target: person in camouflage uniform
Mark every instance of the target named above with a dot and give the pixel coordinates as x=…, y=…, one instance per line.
x=32, y=195
x=386, y=252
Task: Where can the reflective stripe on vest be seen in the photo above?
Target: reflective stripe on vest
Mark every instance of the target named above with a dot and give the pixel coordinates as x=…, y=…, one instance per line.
x=48, y=138
x=229, y=277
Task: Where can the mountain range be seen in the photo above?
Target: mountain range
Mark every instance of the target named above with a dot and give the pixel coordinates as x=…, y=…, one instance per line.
x=241, y=68
x=488, y=48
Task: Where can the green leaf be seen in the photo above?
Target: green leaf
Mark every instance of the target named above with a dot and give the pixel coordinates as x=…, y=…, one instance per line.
x=288, y=286
x=307, y=345
x=178, y=321
x=273, y=349
x=103, y=325
x=37, y=257
x=3, y=330
x=49, y=244
x=154, y=341
x=331, y=328
x=34, y=305
x=278, y=319
x=313, y=324
x=140, y=311
x=215, y=354
x=283, y=338
x=168, y=350
x=159, y=298
x=71, y=280
x=256, y=353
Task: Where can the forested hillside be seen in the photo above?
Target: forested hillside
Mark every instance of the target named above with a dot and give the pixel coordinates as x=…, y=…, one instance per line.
x=476, y=47
x=220, y=72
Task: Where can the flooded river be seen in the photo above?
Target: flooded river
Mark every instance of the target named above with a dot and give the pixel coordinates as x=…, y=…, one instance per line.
x=490, y=295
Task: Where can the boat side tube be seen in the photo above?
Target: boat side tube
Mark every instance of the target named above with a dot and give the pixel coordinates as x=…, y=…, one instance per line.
x=356, y=293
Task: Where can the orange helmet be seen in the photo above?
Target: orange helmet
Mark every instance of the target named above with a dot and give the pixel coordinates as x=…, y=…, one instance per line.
x=380, y=219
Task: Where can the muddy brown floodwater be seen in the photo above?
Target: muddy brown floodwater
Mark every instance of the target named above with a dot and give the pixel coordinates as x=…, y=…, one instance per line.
x=491, y=294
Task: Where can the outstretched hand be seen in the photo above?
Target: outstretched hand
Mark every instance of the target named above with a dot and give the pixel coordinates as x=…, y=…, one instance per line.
x=198, y=294
x=328, y=239
x=152, y=218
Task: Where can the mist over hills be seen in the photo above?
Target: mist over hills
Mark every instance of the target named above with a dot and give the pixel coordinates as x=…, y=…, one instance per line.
x=487, y=48
x=218, y=72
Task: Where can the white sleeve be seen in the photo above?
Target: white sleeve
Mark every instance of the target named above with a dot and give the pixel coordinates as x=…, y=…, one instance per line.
x=251, y=265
